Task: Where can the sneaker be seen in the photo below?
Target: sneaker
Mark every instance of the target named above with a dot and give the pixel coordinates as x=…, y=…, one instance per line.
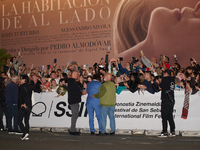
x=163, y=135
x=92, y=133
x=26, y=139
x=102, y=134
x=112, y=133
x=172, y=134
x=18, y=133
x=73, y=133
x=24, y=136
x=10, y=132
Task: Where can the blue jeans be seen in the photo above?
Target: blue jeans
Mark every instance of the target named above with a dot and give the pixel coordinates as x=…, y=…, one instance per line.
x=12, y=114
x=107, y=111
x=91, y=108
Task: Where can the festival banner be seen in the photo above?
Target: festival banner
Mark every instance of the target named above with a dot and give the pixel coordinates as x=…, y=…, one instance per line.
x=132, y=112
x=69, y=30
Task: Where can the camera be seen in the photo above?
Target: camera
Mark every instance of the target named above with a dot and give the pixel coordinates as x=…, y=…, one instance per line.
x=121, y=58
x=113, y=65
x=191, y=59
x=134, y=60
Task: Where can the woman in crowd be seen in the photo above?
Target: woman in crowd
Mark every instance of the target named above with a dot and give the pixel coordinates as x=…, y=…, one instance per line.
x=53, y=86
x=64, y=76
x=16, y=64
x=196, y=87
x=45, y=84
x=89, y=79
x=133, y=82
x=127, y=70
x=60, y=90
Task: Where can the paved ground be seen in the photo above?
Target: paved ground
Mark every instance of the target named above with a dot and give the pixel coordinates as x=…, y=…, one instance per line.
x=63, y=141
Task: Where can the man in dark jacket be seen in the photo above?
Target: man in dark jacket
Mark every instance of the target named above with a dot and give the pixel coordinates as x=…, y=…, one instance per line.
x=25, y=105
x=11, y=97
x=167, y=105
x=35, y=83
x=74, y=98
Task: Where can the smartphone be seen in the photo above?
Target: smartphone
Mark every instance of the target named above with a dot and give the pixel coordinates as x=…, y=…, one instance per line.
x=175, y=57
x=48, y=66
x=55, y=60
x=141, y=52
x=68, y=61
x=191, y=59
x=19, y=53
x=74, y=62
x=24, y=65
x=87, y=66
x=108, y=49
x=121, y=58
x=161, y=56
x=42, y=67
x=180, y=78
x=102, y=58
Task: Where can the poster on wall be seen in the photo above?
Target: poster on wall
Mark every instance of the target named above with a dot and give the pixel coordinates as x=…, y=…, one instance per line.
x=82, y=30
x=69, y=30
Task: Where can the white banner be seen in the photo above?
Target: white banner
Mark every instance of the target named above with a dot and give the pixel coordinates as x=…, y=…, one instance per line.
x=132, y=111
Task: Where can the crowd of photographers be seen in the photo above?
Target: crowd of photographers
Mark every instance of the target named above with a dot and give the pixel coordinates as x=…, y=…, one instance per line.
x=138, y=75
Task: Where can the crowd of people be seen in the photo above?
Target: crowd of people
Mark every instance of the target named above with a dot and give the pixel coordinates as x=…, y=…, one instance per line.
x=100, y=81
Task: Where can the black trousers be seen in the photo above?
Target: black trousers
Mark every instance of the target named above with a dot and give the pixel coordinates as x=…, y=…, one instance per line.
x=3, y=111
x=167, y=115
x=24, y=114
x=1, y=117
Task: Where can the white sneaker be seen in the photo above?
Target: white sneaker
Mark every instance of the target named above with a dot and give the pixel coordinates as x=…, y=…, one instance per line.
x=172, y=134
x=26, y=139
x=163, y=135
x=24, y=136
x=19, y=133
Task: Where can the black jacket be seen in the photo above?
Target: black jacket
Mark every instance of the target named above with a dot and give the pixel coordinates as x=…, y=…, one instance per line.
x=133, y=87
x=74, y=92
x=25, y=93
x=36, y=87
x=2, y=97
x=168, y=86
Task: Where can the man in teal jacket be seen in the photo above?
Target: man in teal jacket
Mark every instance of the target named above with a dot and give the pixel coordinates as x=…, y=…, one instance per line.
x=107, y=99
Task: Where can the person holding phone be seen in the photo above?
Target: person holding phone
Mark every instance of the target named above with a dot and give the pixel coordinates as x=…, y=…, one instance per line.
x=127, y=70
x=16, y=63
